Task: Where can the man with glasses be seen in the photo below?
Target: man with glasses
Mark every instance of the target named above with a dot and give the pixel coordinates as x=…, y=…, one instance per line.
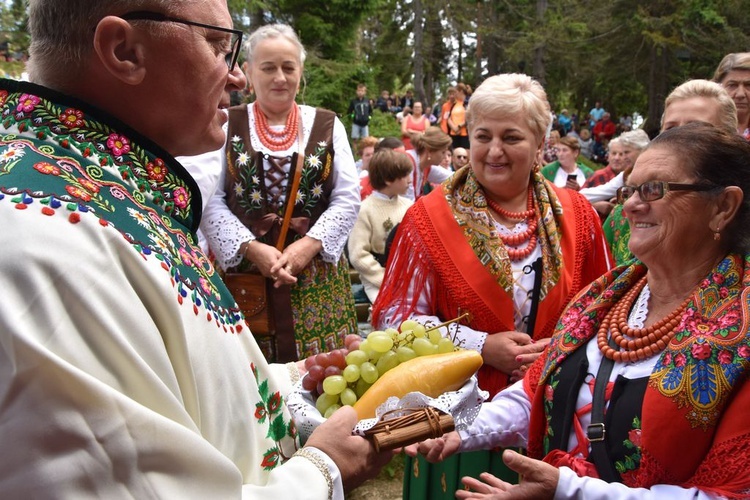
x=126, y=369
x=460, y=158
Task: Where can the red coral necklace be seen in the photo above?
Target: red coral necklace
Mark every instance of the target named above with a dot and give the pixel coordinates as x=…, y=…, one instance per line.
x=277, y=141
x=514, y=240
x=643, y=342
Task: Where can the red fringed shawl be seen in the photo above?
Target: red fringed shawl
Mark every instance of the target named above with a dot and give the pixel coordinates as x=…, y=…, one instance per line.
x=431, y=248
x=695, y=430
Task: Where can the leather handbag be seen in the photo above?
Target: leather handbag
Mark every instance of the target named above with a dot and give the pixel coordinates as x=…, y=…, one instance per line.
x=252, y=291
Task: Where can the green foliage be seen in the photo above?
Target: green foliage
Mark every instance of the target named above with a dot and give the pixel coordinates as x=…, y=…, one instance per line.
x=384, y=125
x=11, y=69
x=381, y=125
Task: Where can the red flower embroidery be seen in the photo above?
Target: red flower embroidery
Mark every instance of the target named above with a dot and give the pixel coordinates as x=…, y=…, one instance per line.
x=549, y=392
x=667, y=358
x=72, y=118
x=180, y=197
x=725, y=357
x=88, y=185
x=270, y=459
x=744, y=351
x=679, y=360
x=27, y=103
x=78, y=193
x=701, y=351
x=3, y=96
x=260, y=412
x=157, y=171
x=274, y=402
x=118, y=144
x=47, y=168
x=634, y=436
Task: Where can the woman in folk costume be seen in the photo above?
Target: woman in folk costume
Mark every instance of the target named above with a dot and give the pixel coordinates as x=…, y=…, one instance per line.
x=643, y=391
x=242, y=220
x=496, y=241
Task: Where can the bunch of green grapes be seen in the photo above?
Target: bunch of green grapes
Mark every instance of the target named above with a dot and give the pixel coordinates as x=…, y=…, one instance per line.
x=341, y=377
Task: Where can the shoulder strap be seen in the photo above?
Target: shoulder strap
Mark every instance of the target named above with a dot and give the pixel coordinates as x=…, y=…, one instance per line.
x=291, y=200
x=596, y=431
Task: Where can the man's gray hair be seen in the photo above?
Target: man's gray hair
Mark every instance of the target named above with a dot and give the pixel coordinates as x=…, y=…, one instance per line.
x=62, y=33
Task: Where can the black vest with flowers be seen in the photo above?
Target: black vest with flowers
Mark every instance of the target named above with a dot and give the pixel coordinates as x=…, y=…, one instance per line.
x=247, y=195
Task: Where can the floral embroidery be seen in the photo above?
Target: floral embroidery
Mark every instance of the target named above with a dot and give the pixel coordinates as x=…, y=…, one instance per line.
x=72, y=118
x=280, y=428
x=709, y=351
x=249, y=191
x=156, y=169
x=27, y=103
x=69, y=127
x=180, y=196
x=119, y=144
x=313, y=175
x=549, y=391
x=632, y=460
x=47, y=168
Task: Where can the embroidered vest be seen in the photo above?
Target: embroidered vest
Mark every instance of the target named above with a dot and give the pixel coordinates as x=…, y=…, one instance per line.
x=254, y=186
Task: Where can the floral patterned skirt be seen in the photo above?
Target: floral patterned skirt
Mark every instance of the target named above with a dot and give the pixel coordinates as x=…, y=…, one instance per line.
x=322, y=309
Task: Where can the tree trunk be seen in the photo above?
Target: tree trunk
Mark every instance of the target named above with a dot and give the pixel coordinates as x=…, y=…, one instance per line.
x=657, y=88
x=492, y=44
x=539, y=70
x=418, y=51
x=480, y=46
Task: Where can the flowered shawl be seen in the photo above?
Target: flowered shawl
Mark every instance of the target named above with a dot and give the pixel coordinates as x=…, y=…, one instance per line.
x=694, y=427
x=447, y=241
x=617, y=231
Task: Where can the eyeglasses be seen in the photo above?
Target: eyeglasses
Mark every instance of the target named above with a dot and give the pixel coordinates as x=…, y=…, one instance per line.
x=655, y=190
x=461, y=157
x=236, y=43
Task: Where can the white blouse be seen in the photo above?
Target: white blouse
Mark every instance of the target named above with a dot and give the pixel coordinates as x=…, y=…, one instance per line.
x=224, y=231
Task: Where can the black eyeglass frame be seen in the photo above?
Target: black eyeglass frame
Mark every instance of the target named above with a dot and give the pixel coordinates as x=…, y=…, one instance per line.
x=237, y=35
x=665, y=188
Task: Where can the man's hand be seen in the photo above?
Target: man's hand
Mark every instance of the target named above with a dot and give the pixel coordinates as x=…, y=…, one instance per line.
x=355, y=456
x=436, y=450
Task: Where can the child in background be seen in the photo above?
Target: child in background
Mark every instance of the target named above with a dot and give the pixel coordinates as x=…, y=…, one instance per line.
x=390, y=176
x=586, y=142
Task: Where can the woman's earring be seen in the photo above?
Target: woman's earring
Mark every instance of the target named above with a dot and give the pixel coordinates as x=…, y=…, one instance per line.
x=717, y=235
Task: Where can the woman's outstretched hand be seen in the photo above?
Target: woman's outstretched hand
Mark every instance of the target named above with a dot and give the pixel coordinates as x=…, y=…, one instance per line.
x=538, y=481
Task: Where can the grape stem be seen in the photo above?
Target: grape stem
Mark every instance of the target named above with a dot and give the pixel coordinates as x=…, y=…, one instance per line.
x=454, y=320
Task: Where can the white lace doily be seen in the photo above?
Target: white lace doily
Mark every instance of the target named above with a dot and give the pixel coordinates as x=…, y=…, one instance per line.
x=463, y=405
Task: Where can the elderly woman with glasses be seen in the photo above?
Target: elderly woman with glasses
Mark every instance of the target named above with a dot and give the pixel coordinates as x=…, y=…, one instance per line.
x=310, y=299
x=642, y=392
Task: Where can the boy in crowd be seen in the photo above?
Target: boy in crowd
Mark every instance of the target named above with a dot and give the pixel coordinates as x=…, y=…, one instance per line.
x=390, y=176
x=360, y=111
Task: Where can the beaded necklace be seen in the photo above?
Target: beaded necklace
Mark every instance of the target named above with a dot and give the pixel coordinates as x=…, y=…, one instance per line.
x=643, y=342
x=277, y=141
x=515, y=240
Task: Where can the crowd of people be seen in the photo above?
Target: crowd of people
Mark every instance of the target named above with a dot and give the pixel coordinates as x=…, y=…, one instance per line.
x=609, y=305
